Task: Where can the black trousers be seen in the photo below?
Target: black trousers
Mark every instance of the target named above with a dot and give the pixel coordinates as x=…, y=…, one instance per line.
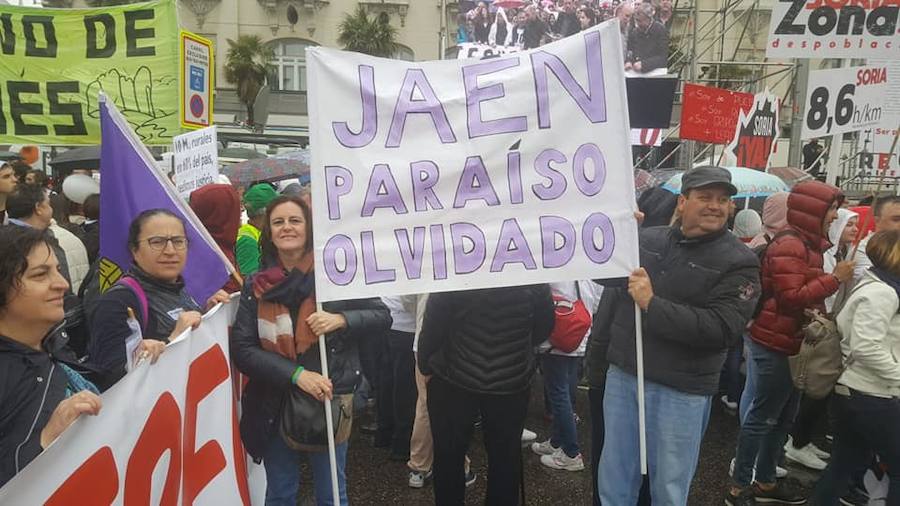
x=595, y=396
x=397, y=393
x=811, y=421
x=452, y=411
x=370, y=359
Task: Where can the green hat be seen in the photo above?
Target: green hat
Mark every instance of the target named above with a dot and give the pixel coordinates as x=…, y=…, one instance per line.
x=258, y=197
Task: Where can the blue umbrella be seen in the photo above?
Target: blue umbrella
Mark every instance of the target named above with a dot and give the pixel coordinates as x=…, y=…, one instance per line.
x=749, y=182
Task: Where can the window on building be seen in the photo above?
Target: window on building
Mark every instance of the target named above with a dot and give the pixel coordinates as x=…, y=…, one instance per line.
x=404, y=53
x=289, y=65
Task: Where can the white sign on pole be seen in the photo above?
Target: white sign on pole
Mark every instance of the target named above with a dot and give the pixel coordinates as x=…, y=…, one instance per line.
x=167, y=434
x=833, y=29
x=845, y=100
x=463, y=174
x=469, y=50
x=196, y=160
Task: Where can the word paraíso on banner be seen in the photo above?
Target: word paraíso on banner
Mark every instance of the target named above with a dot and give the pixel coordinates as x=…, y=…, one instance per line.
x=54, y=63
x=181, y=443
x=844, y=100
x=834, y=29
x=755, y=134
x=472, y=182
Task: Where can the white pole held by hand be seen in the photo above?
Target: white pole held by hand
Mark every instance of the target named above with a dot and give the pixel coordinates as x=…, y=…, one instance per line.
x=329, y=420
x=642, y=421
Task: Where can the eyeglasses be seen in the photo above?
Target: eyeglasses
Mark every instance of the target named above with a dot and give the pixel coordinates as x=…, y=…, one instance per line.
x=158, y=243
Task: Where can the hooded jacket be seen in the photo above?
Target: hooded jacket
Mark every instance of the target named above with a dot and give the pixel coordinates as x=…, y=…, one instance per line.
x=836, y=253
x=792, y=269
x=774, y=218
x=219, y=209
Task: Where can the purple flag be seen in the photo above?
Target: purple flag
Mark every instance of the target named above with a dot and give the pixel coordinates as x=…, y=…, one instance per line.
x=130, y=184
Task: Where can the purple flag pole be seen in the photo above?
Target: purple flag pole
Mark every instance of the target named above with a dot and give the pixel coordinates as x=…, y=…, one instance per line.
x=130, y=184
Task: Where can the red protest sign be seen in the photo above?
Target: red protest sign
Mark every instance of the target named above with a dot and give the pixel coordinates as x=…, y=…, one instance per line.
x=710, y=114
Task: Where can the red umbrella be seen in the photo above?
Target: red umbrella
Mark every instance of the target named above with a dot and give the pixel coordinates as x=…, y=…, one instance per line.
x=509, y=4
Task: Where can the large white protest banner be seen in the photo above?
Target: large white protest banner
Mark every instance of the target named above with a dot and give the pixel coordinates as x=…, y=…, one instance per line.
x=834, y=29
x=461, y=174
x=845, y=100
x=167, y=434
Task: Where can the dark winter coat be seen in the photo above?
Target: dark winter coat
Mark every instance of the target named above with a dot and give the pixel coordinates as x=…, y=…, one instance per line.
x=792, y=275
x=705, y=290
x=483, y=340
x=270, y=374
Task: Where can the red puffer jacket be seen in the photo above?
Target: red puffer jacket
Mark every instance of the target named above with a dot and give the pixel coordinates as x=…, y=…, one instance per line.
x=792, y=275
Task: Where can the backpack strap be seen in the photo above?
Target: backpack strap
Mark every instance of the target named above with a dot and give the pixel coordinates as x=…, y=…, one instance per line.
x=138, y=290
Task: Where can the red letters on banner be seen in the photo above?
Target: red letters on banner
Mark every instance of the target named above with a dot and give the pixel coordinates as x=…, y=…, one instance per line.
x=711, y=114
x=97, y=480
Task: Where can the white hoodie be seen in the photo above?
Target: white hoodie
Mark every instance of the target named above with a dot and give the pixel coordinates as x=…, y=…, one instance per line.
x=834, y=237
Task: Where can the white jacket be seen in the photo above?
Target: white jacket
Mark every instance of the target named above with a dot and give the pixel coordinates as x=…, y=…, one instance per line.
x=870, y=326
x=76, y=254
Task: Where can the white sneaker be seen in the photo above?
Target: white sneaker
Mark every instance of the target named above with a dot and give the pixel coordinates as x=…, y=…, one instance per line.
x=559, y=460
x=803, y=456
x=728, y=404
x=528, y=436
x=417, y=479
x=780, y=472
x=544, y=448
x=822, y=454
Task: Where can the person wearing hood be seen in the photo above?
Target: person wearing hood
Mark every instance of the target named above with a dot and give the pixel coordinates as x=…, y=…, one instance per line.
x=219, y=209
x=747, y=225
x=774, y=218
x=813, y=412
x=793, y=280
x=247, y=246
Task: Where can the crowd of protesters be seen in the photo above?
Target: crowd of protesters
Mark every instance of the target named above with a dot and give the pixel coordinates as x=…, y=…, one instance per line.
x=437, y=366
x=645, y=26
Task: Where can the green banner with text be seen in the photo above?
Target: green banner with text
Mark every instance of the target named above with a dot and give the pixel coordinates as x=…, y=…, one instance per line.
x=54, y=63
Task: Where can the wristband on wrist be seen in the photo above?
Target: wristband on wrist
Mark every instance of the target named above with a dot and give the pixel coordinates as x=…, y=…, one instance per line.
x=296, y=374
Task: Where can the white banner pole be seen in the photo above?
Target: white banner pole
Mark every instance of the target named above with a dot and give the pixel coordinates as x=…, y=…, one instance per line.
x=329, y=421
x=642, y=421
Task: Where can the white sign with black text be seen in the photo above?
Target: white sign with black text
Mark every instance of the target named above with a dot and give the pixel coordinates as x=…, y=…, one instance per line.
x=844, y=100
x=196, y=160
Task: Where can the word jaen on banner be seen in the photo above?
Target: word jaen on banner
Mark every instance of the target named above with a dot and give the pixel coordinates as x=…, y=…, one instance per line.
x=417, y=95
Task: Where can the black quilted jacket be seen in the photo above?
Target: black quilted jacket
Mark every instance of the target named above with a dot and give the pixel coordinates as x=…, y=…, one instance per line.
x=483, y=340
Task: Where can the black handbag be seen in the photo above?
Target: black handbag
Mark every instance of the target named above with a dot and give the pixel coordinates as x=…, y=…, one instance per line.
x=303, y=426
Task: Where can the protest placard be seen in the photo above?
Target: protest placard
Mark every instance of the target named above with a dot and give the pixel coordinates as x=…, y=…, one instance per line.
x=754, y=136
x=196, y=160
x=461, y=174
x=54, y=63
x=833, y=29
x=709, y=114
x=167, y=434
x=474, y=50
x=844, y=100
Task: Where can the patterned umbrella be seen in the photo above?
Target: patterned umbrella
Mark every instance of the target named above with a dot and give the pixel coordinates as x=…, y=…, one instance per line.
x=749, y=182
x=264, y=169
x=790, y=175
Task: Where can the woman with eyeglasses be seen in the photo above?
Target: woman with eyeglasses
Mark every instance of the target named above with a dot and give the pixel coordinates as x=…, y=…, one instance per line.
x=154, y=291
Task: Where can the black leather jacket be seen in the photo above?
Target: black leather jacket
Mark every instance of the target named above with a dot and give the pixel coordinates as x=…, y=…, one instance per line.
x=270, y=374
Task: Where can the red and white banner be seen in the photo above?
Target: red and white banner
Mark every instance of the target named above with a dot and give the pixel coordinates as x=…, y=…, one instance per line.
x=709, y=114
x=647, y=137
x=167, y=434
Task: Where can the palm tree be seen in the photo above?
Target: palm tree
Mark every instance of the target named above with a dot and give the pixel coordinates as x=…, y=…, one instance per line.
x=362, y=34
x=247, y=65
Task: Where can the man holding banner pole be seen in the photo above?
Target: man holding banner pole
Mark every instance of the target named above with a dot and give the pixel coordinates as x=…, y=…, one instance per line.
x=696, y=289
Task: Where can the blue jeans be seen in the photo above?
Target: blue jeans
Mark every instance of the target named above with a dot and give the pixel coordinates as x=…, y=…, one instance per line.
x=676, y=422
x=749, y=382
x=283, y=474
x=560, y=372
x=769, y=418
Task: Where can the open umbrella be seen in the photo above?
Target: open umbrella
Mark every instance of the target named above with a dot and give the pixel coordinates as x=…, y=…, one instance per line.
x=7, y=156
x=242, y=153
x=509, y=4
x=264, y=169
x=790, y=175
x=87, y=157
x=750, y=183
